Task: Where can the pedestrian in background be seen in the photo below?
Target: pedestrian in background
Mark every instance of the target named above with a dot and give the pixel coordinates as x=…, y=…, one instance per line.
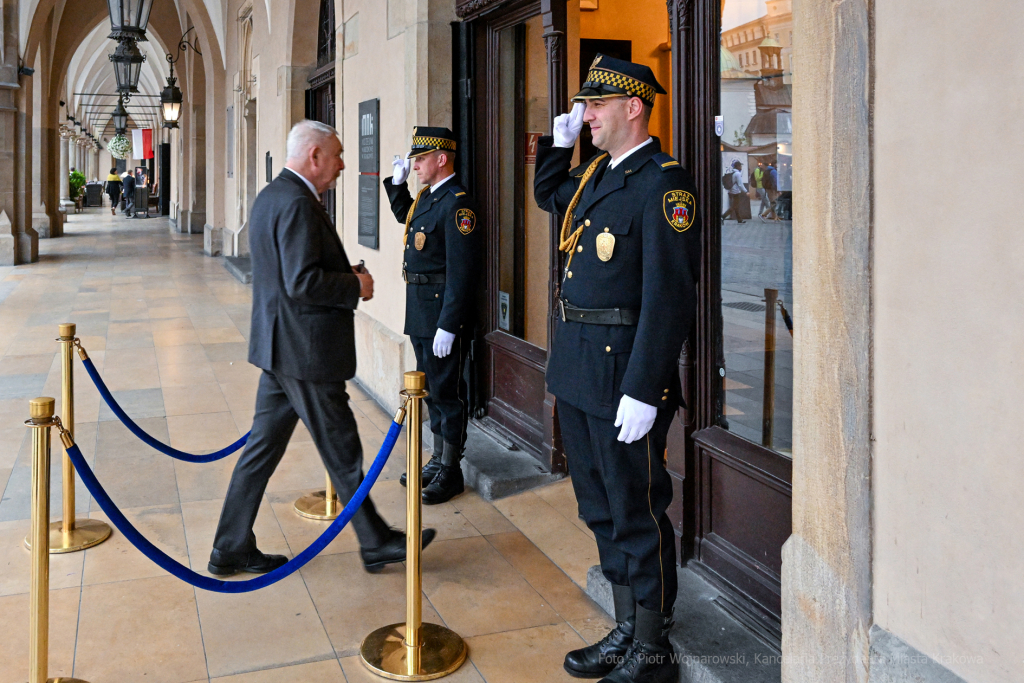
x=732, y=181
x=128, y=187
x=113, y=189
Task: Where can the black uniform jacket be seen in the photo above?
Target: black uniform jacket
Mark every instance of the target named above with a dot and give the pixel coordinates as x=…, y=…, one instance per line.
x=648, y=205
x=303, y=287
x=452, y=243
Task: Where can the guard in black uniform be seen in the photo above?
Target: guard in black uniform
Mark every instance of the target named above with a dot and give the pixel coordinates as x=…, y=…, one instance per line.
x=627, y=302
x=443, y=257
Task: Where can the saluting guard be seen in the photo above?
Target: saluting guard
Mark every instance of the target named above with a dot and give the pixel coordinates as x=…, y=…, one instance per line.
x=627, y=302
x=442, y=258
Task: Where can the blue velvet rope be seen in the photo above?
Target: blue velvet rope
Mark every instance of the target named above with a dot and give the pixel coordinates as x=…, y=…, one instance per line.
x=152, y=442
x=217, y=585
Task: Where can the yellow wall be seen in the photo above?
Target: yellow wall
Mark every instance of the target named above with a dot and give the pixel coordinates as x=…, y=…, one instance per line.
x=645, y=23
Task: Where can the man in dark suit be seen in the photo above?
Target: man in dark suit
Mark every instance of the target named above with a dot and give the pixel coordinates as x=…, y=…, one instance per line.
x=128, y=187
x=628, y=299
x=441, y=266
x=304, y=294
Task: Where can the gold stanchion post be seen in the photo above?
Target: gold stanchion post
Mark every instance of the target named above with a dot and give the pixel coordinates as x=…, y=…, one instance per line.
x=319, y=504
x=413, y=651
x=41, y=412
x=70, y=534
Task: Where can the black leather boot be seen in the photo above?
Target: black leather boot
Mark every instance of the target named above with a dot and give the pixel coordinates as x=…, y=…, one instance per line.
x=650, y=659
x=449, y=481
x=600, y=658
x=224, y=563
x=433, y=465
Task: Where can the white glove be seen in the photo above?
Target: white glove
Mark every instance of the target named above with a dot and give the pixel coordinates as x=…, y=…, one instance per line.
x=443, y=343
x=635, y=418
x=402, y=167
x=567, y=127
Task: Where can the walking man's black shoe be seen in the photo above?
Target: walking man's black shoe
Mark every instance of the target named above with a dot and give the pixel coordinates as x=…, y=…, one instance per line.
x=599, y=659
x=223, y=563
x=390, y=551
x=446, y=485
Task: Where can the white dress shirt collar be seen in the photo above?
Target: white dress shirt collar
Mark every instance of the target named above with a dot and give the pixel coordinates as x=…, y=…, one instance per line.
x=312, y=188
x=616, y=162
x=440, y=183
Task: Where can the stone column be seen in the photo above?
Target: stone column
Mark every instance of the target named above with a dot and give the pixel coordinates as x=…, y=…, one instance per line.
x=65, y=164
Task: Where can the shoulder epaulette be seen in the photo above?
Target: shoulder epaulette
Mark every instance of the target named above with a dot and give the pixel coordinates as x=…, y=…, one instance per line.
x=458, y=190
x=665, y=161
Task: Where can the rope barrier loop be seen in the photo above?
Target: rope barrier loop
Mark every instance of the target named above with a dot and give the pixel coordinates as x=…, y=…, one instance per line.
x=135, y=429
x=207, y=583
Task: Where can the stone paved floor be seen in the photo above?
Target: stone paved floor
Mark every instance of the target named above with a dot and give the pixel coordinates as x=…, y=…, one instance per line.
x=167, y=328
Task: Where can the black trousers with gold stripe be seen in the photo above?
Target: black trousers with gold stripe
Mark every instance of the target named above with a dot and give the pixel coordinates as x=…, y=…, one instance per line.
x=448, y=402
x=623, y=493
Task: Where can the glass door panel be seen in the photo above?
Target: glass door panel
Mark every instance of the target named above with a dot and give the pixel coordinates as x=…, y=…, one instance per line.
x=523, y=229
x=757, y=223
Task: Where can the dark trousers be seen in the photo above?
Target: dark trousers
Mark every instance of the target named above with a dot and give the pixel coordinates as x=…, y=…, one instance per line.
x=448, y=403
x=623, y=491
x=734, y=207
x=281, y=402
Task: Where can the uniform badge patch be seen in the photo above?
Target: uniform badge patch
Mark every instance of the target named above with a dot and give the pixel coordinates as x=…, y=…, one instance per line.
x=605, y=246
x=465, y=220
x=680, y=207
x=421, y=240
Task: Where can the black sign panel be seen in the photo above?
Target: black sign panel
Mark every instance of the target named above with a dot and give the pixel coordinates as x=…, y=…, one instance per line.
x=369, y=174
x=369, y=137
x=369, y=211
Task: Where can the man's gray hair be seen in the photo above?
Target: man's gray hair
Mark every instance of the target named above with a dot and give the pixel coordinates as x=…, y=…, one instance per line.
x=306, y=134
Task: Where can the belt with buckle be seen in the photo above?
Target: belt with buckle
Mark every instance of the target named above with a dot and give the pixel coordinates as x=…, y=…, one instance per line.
x=598, y=316
x=421, y=279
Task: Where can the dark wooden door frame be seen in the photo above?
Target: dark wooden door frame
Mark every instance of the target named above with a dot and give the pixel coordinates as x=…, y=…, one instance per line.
x=507, y=421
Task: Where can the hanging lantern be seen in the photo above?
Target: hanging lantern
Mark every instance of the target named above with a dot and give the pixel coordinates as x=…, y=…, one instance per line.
x=171, y=99
x=129, y=19
x=127, y=66
x=120, y=118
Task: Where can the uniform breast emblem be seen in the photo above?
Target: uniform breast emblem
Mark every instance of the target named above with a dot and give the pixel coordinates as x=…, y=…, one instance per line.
x=421, y=240
x=465, y=219
x=680, y=207
x=605, y=246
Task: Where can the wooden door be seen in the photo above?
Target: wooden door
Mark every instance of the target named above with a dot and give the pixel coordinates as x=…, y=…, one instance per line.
x=514, y=78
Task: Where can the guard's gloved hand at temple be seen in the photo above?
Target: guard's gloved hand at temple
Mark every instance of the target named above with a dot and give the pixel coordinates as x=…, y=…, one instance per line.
x=402, y=167
x=567, y=127
x=443, y=344
x=635, y=418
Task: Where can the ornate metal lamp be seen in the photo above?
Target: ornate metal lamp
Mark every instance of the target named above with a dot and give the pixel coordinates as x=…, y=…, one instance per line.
x=171, y=97
x=127, y=66
x=120, y=118
x=129, y=19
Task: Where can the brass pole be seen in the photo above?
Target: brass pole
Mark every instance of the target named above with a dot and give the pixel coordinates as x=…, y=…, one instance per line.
x=330, y=498
x=413, y=651
x=768, y=404
x=40, y=421
x=413, y=523
x=70, y=534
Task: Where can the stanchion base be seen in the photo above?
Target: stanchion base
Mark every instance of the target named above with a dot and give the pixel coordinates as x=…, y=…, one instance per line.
x=384, y=653
x=314, y=506
x=65, y=680
x=86, y=534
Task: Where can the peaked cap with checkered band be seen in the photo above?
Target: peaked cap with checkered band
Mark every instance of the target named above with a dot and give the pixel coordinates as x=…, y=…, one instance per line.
x=426, y=140
x=610, y=77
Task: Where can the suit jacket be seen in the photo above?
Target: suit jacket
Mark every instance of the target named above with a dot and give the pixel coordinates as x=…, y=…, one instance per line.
x=639, y=250
x=303, y=289
x=128, y=186
x=444, y=237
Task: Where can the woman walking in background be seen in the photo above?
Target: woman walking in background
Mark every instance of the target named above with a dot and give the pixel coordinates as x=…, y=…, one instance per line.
x=113, y=189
